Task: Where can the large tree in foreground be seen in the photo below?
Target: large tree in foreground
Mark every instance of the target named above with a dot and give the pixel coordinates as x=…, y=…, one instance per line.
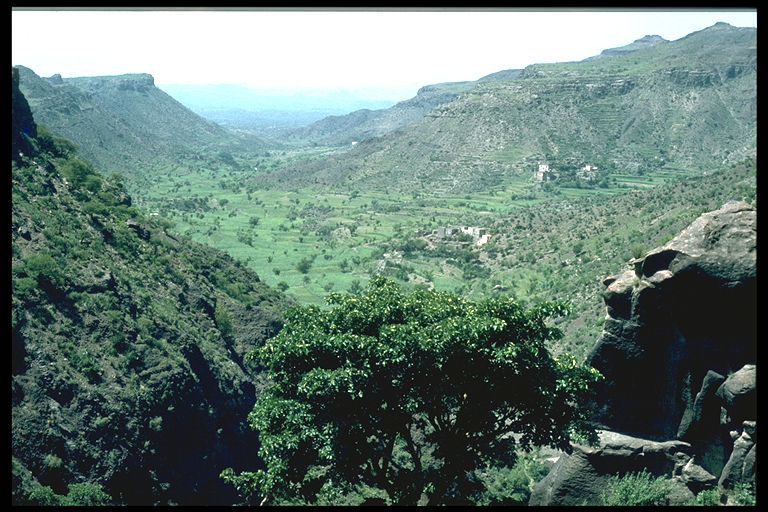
x=400, y=397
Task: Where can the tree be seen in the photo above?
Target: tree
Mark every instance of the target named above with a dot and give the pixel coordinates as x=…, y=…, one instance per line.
x=400, y=397
x=304, y=265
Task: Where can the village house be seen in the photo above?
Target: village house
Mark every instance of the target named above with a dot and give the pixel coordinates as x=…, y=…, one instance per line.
x=480, y=236
x=587, y=173
x=544, y=173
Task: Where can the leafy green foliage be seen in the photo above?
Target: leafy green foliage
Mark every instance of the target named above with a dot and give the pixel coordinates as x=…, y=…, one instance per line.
x=637, y=489
x=55, y=146
x=510, y=486
x=79, y=495
x=744, y=494
x=409, y=394
x=707, y=498
x=136, y=335
x=86, y=495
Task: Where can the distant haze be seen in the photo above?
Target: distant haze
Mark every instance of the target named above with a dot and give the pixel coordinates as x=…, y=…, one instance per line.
x=386, y=55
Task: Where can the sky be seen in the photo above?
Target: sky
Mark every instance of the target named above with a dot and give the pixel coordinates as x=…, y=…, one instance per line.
x=379, y=54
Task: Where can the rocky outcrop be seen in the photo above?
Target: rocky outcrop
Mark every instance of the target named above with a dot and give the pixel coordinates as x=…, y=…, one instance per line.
x=738, y=394
x=680, y=321
x=582, y=477
x=23, y=127
x=685, y=309
x=741, y=465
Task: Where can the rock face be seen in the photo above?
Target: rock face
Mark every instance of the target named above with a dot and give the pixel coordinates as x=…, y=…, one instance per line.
x=741, y=465
x=687, y=308
x=23, y=125
x=738, y=394
x=677, y=324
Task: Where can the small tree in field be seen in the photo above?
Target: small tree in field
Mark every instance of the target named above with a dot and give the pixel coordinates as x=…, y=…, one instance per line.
x=400, y=396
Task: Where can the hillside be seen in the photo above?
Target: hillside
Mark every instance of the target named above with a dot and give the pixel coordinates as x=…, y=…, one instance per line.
x=127, y=341
x=125, y=123
x=684, y=105
x=365, y=123
x=638, y=44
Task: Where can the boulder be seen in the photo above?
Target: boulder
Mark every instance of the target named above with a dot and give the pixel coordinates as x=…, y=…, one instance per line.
x=738, y=394
x=685, y=309
x=701, y=426
x=703, y=419
x=741, y=466
x=581, y=478
x=696, y=477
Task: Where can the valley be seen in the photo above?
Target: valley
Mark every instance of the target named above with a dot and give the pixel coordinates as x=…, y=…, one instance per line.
x=555, y=243
x=157, y=246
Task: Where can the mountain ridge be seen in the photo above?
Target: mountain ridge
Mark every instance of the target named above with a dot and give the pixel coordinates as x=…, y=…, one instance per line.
x=124, y=123
x=689, y=103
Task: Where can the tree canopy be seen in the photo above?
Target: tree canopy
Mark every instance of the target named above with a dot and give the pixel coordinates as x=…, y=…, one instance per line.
x=399, y=397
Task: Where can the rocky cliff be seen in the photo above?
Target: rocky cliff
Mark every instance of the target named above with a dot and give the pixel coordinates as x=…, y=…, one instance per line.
x=23, y=126
x=678, y=352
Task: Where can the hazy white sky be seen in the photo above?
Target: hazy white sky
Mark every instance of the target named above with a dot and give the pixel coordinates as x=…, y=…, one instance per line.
x=388, y=53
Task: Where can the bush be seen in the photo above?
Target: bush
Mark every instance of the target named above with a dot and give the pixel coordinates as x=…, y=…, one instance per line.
x=86, y=495
x=44, y=496
x=45, y=269
x=708, y=498
x=52, y=461
x=744, y=494
x=510, y=485
x=80, y=173
x=304, y=265
x=56, y=146
x=637, y=489
x=223, y=321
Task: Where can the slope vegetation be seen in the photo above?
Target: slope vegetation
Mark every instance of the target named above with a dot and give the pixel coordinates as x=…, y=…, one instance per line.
x=124, y=123
x=128, y=341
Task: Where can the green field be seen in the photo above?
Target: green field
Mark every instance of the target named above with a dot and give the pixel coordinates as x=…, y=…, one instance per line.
x=311, y=243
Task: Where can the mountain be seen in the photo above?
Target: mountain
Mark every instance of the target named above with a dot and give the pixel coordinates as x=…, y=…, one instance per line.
x=124, y=123
x=638, y=44
x=128, y=341
x=268, y=114
x=688, y=104
x=365, y=123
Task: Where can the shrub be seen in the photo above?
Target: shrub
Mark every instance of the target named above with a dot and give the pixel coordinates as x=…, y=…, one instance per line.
x=86, y=495
x=44, y=496
x=52, y=461
x=744, y=494
x=45, y=269
x=708, y=498
x=304, y=265
x=223, y=321
x=637, y=489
